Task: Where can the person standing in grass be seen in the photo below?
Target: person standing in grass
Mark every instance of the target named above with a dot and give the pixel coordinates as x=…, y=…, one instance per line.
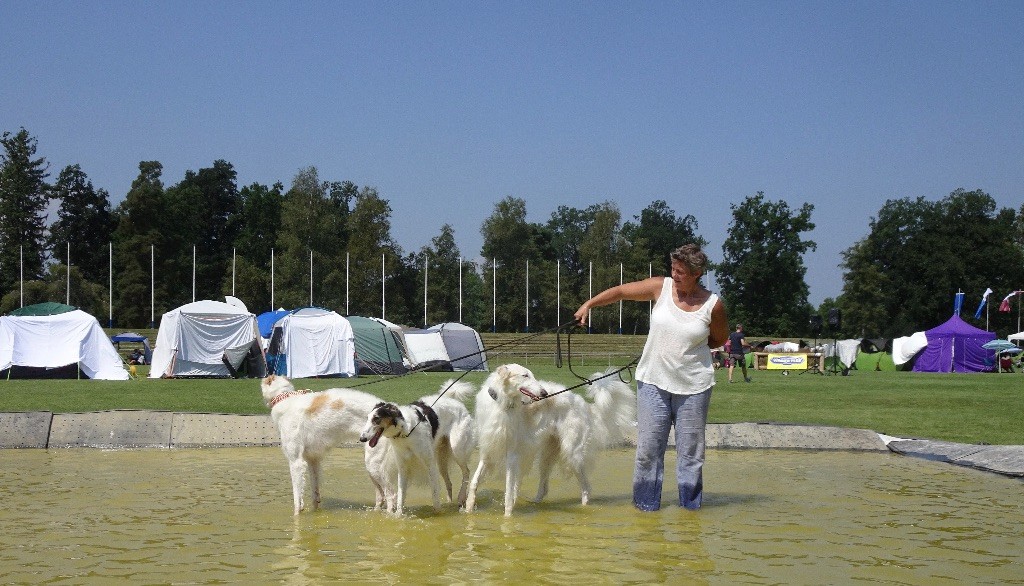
x=675, y=374
x=737, y=344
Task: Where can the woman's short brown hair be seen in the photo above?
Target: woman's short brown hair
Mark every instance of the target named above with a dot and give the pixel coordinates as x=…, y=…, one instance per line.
x=692, y=256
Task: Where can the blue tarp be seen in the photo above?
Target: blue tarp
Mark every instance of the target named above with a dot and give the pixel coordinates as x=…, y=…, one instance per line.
x=266, y=321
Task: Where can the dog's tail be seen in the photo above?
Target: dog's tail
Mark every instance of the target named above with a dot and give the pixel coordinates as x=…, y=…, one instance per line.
x=460, y=391
x=613, y=410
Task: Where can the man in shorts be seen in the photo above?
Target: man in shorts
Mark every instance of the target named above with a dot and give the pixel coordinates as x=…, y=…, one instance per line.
x=737, y=343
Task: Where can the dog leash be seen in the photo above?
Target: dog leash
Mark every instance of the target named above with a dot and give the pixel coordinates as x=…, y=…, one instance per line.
x=587, y=381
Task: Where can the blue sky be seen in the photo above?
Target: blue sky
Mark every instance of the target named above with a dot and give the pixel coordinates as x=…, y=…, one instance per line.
x=446, y=107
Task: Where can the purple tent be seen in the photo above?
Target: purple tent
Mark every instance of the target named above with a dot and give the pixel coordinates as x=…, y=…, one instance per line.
x=955, y=346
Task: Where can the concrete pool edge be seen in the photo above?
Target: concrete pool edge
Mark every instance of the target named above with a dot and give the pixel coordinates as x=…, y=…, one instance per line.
x=164, y=429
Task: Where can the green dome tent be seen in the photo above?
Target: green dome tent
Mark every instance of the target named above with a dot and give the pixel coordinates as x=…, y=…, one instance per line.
x=378, y=349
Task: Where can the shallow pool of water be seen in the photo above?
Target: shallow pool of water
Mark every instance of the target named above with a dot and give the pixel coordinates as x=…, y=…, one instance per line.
x=770, y=517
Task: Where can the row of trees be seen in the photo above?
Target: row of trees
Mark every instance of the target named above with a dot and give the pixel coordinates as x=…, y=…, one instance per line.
x=259, y=242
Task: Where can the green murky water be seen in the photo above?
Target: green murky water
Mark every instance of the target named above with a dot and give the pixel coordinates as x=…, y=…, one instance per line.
x=770, y=517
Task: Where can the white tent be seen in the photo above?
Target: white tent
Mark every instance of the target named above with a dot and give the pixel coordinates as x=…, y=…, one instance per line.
x=314, y=342
x=426, y=350
x=200, y=339
x=1019, y=336
x=54, y=341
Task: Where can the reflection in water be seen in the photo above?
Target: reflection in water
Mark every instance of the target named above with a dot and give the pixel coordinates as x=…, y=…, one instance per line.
x=206, y=516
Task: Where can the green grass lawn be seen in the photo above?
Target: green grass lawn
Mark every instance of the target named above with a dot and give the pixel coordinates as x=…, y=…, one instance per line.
x=970, y=408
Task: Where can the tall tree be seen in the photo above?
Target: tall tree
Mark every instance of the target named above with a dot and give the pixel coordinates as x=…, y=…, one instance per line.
x=444, y=268
x=903, y=276
x=370, y=247
x=90, y=297
x=658, y=231
x=310, y=257
x=603, y=247
x=138, y=239
x=84, y=219
x=256, y=225
x=762, y=271
x=24, y=195
x=506, y=248
x=199, y=209
x=567, y=227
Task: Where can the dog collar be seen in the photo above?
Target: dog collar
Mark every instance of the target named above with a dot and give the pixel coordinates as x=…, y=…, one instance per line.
x=282, y=396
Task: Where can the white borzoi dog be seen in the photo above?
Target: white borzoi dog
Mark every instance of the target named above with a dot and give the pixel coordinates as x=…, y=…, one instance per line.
x=423, y=436
x=520, y=418
x=311, y=424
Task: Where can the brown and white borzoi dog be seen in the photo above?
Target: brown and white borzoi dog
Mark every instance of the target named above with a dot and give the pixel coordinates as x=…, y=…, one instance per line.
x=311, y=424
x=520, y=418
x=423, y=436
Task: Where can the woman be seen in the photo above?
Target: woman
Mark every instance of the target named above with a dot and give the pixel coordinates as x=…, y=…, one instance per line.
x=675, y=374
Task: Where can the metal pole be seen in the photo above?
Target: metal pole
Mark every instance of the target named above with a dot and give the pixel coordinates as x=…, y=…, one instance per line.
x=527, y=295
x=193, y=273
x=234, y=260
x=426, y=268
x=494, y=294
x=152, y=285
x=67, y=294
x=272, y=280
x=110, y=285
x=311, y=278
x=590, y=295
x=460, y=289
x=346, y=284
x=382, y=307
x=620, y=301
x=650, y=304
x=558, y=292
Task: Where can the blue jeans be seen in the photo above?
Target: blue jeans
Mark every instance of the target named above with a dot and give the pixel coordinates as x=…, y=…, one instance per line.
x=657, y=412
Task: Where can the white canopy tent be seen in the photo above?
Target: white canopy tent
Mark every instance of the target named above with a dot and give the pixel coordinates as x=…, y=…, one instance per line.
x=194, y=340
x=314, y=342
x=54, y=341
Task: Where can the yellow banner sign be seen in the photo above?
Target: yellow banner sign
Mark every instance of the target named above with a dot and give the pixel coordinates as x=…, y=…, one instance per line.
x=787, y=361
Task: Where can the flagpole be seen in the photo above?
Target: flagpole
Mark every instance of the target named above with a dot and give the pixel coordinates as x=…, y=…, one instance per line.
x=110, y=285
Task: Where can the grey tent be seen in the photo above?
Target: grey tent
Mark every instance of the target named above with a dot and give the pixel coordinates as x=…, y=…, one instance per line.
x=464, y=346
x=378, y=349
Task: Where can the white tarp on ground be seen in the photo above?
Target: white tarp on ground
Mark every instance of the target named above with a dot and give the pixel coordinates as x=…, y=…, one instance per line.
x=905, y=348
x=52, y=341
x=192, y=339
x=317, y=342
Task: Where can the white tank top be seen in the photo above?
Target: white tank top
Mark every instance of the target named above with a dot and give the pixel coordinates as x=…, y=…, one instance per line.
x=676, y=356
